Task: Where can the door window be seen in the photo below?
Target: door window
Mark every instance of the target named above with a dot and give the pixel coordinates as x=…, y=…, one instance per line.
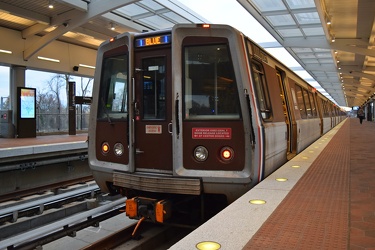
x=154, y=85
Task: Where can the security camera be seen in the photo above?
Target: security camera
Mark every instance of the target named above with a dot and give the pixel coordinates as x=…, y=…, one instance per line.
x=66, y=24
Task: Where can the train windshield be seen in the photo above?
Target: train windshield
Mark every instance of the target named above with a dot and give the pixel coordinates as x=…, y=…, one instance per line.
x=210, y=85
x=113, y=102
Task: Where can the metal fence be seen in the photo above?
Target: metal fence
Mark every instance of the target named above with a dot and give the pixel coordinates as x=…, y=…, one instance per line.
x=49, y=123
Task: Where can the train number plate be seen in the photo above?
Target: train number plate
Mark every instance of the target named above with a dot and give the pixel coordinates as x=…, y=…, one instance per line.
x=212, y=133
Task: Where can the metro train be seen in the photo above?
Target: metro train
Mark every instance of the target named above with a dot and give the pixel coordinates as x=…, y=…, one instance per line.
x=193, y=116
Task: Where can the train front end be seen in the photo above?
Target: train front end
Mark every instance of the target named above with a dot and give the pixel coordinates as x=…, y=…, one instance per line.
x=171, y=121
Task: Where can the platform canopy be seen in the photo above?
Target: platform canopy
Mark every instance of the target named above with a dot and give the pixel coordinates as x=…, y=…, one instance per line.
x=331, y=39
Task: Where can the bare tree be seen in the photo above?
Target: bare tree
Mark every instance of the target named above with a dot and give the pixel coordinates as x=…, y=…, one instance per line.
x=55, y=85
x=84, y=86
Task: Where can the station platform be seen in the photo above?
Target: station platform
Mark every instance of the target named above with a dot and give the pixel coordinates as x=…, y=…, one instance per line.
x=14, y=148
x=326, y=200
x=40, y=140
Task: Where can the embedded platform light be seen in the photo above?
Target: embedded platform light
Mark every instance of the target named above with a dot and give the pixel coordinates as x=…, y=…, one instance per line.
x=208, y=245
x=257, y=202
x=5, y=51
x=48, y=59
x=296, y=166
x=86, y=66
x=281, y=179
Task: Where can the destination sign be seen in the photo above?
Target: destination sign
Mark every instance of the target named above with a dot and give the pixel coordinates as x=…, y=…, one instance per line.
x=153, y=40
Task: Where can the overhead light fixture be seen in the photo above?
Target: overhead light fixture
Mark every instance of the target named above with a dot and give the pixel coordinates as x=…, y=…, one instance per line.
x=5, y=51
x=50, y=4
x=333, y=39
x=86, y=66
x=112, y=26
x=48, y=59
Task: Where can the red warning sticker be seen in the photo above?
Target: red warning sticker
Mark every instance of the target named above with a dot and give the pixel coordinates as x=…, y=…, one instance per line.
x=212, y=133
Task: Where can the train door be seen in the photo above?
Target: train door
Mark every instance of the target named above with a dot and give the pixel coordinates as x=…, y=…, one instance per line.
x=152, y=123
x=288, y=118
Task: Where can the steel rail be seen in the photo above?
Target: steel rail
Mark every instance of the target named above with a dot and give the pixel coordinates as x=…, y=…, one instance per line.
x=63, y=227
x=41, y=203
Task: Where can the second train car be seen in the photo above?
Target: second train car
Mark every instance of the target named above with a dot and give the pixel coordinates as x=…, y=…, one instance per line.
x=194, y=116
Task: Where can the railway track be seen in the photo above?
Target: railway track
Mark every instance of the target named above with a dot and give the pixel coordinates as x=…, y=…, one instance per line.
x=55, y=216
x=37, y=221
x=150, y=236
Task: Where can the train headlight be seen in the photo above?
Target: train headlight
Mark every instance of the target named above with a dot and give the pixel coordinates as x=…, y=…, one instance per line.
x=200, y=153
x=105, y=148
x=226, y=153
x=118, y=149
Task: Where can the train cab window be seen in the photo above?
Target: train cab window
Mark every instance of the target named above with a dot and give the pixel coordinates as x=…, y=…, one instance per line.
x=261, y=89
x=113, y=101
x=210, y=88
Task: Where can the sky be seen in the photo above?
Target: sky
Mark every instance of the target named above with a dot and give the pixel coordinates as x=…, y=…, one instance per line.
x=232, y=13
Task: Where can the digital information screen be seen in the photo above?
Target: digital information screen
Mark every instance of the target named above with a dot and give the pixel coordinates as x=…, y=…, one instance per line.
x=27, y=104
x=153, y=40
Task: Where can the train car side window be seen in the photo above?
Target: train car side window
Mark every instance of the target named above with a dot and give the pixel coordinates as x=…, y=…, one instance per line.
x=313, y=107
x=301, y=102
x=113, y=100
x=261, y=89
x=307, y=103
x=210, y=88
x=325, y=107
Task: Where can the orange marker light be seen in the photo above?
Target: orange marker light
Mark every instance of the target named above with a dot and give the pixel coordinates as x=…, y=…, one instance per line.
x=226, y=153
x=206, y=25
x=105, y=147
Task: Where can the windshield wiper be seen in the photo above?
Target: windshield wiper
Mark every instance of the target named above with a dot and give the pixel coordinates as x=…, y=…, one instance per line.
x=105, y=111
